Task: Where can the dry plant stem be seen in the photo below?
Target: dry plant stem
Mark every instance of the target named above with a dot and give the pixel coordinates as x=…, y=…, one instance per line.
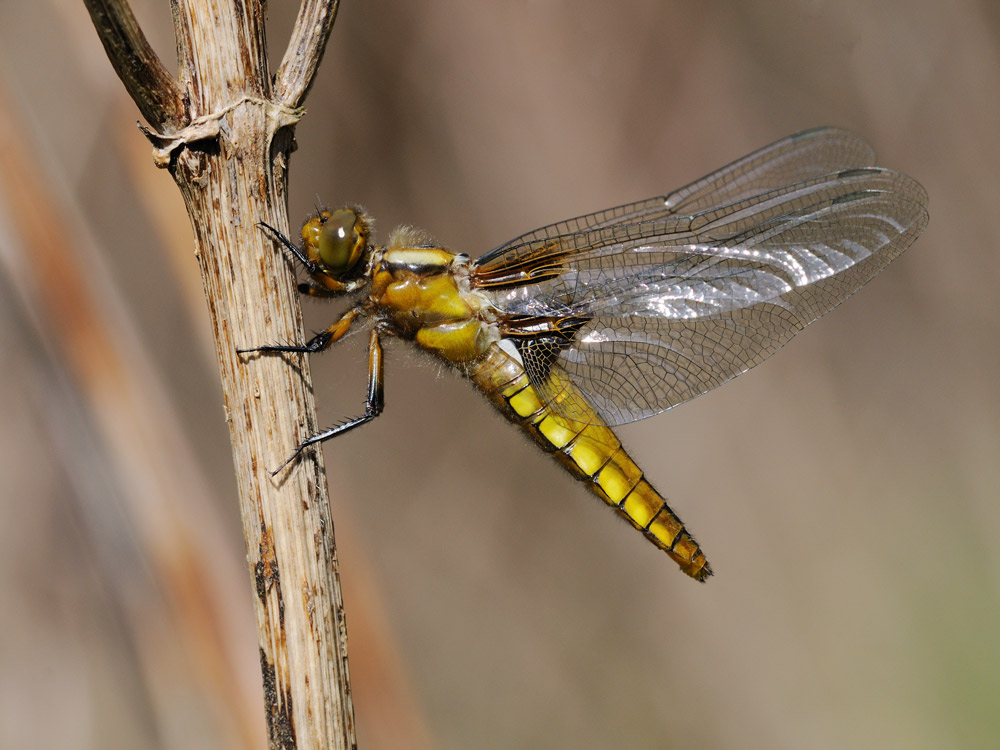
x=228, y=155
x=149, y=84
x=305, y=49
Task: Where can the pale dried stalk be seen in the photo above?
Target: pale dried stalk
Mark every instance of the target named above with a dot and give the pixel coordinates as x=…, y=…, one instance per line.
x=225, y=137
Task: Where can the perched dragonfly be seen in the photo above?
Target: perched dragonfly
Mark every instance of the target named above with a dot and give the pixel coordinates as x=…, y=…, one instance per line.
x=615, y=316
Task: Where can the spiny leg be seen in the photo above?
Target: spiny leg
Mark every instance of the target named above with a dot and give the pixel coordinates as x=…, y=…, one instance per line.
x=314, y=290
x=296, y=252
x=317, y=343
x=373, y=404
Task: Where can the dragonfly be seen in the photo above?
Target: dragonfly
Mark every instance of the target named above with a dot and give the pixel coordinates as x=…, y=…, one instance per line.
x=590, y=323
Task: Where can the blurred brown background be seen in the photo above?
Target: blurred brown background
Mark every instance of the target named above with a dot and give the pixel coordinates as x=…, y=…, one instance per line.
x=846, y=491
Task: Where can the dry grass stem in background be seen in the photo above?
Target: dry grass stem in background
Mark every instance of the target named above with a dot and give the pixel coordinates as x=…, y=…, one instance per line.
x=224, y=133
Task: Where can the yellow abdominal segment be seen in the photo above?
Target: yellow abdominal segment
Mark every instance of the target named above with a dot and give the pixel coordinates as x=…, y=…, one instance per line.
x=591, y=451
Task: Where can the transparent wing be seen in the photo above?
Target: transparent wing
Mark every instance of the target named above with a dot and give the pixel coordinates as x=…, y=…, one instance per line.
x=788, y=161
x=646, y=315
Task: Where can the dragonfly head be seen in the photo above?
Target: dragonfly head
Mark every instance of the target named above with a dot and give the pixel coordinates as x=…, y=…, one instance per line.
x=336, y=243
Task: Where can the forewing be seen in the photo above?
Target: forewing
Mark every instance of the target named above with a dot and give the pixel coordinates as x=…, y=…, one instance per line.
x=665, y=310
x=791, y=160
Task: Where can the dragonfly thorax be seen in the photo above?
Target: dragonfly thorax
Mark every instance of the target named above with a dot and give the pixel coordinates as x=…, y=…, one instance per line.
x=423, y=294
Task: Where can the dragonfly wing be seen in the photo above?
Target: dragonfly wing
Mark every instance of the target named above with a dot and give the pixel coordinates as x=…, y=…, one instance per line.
x=645, y=316
x=793, y=159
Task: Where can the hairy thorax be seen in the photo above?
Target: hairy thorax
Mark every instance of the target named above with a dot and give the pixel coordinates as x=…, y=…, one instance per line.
x=424, y=294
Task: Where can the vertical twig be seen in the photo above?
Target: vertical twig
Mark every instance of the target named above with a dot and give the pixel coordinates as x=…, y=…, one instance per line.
x=225, y=137
x=305, y=49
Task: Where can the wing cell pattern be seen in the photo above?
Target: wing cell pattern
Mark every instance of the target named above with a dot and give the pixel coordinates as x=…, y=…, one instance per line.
x=669, y=305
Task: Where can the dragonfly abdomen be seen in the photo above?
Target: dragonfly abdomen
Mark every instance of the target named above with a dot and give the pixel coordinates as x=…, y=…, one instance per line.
x=590, y=451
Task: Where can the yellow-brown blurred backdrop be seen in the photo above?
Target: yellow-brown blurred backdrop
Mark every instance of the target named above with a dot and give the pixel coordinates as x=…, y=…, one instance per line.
x=846, y=491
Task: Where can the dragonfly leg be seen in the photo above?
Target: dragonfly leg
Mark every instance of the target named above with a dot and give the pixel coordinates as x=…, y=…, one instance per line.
x=317, y=343
x=314, y=290
x=374, y=403
x=296, y=252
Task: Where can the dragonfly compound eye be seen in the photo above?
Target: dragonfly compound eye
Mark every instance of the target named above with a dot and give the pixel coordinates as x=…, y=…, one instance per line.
x=340, y=240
